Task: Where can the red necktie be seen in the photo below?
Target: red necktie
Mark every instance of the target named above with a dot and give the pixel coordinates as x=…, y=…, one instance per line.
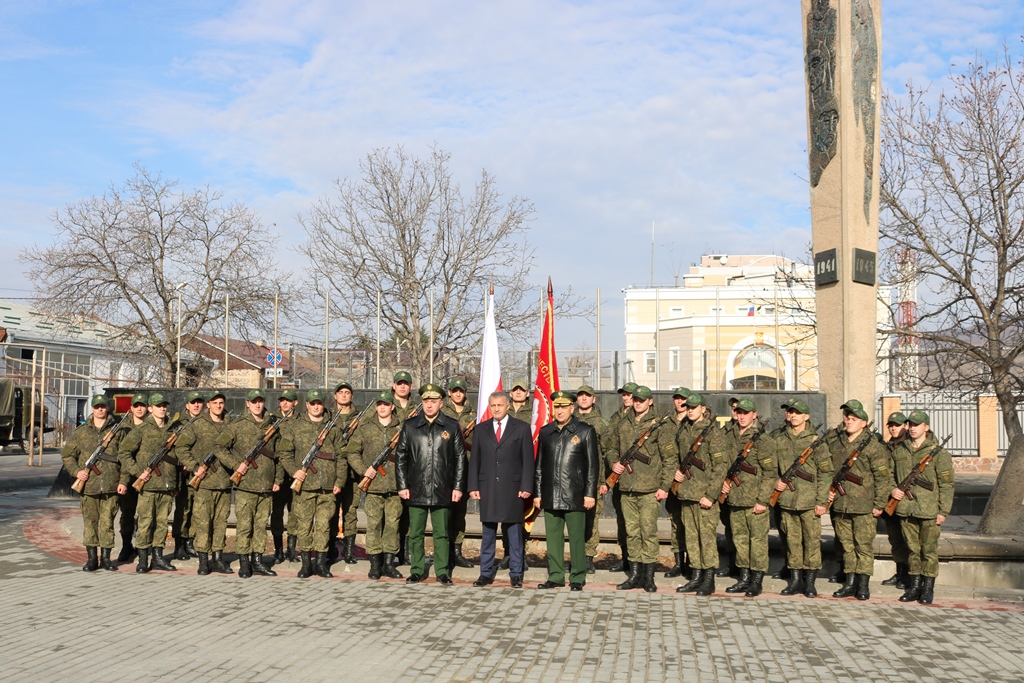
x=497, y=433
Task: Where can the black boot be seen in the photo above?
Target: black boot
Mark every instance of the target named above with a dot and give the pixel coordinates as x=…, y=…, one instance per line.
x=190, y=547
x=810, y=576
x=143, y=566
x=306, y=570
x=676, y=570
x=259, y=568
x=796, y=583
x=591, y=569
x=105, y=562
x=896, y=578
x=180, y=553
x=617, y=566
x=707, y=586
x=402, y=556
x=350, y=550
x=278, y=548
x=127, y=549
x=292, y=554
x=838, y=577
x=913, y=591
x=727, y=569
x=783, y=573
x=244, y=566
x=927, y=590
x=756, y=579
x=649, y=584
x=387, y=567
x=634, y=580
x=320, y=566
x=460, y=559
x=159, y=562
x=374, y=572
x=506, y=562
x=93, y=563
x=204, y=564
x=848, y=588
x=863, y=590
x=218, y=565
x=696, y=578
x=743, y=584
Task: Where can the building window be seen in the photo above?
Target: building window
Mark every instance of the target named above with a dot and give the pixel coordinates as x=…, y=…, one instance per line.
x=649, y=361
x=673, y=359
x=745, y=310
x=676, y=312
x=716, y=309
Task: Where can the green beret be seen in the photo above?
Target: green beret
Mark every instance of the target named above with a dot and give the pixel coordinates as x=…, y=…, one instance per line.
x=254, y=394
x=797, y=406
x=856, y=407
x=140, y=398
x=431, y=391
x=156, y=398
x=100, y=400
x=919, y=417
x=643, y=393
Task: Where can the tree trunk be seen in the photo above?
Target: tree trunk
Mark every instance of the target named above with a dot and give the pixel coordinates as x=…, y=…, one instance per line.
x=1004, y=513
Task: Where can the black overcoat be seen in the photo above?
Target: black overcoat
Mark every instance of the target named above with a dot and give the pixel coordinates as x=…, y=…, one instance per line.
x=499, y=471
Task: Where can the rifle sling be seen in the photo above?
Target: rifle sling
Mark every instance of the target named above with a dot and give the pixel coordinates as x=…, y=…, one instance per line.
x=924, y=483
x=748, y=468
x=170, y=460
x=107, y=457
x=803, y=475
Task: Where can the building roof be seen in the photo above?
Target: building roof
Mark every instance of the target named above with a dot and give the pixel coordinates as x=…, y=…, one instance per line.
x=26, y=324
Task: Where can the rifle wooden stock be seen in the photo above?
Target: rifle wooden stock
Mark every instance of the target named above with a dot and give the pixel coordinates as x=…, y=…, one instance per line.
x=378, y=462
x=154, y=462
x=90, y=464
x=737, y=465
x=198, y=477
x=794, y=469
x=844, y=472
x=634, y=451
x=307, y=462
x=912, y=478
x=250, y=458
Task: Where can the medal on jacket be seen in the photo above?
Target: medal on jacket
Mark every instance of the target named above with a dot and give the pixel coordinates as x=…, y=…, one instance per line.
x=574, y=440
x=445, y=435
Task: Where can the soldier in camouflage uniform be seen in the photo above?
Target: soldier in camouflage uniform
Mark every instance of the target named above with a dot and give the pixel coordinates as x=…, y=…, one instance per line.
x=181, y=524
x=642, y=491
x=253, y=494
x=854, y=515
x=401, y=391
x=347, y=501
x=673, y=506
x=129, y=502
x=700, y=483
x=212, y=503
x=802, y=502
x=160, y=485
x=382, y=505
x=588, y=413
x=100, y=492
x=283, y=497
x=455, y=407
x=321, y=482
x=626, y=393
x=922, y=516
x=747, y=502
x=896, y=425
x=522, y=403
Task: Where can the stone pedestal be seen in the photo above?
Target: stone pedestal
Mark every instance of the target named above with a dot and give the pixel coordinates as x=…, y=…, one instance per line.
x=843, y=65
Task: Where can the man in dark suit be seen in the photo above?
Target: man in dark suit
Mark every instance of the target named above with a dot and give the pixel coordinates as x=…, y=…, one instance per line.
x=501, y=478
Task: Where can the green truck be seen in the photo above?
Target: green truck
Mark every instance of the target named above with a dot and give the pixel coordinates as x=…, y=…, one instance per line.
x=16, y=418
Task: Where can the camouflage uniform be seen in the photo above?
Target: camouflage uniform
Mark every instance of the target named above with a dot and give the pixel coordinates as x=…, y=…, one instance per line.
x=347, y=502
x=594, y=418
x=893, y=530
x=852, y=518
x=212, y=504
x=127, y=503
x=282, y=498
x=700, y=525
x=673, y=506
x=524, y=413
x=457, y=517
x=99, y=496
x=917, y=517
x=609, y=453
x=157, y=493
x=750, y=530
x=382, y=505
x=253, y=500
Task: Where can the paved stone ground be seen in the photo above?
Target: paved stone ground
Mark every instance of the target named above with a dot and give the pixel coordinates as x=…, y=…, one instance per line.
x=61, y=623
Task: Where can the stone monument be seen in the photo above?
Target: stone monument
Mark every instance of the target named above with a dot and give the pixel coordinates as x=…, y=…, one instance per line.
x=842, y=42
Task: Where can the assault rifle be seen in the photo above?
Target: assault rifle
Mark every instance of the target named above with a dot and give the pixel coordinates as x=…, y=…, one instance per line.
x=634, y=451
x=795, y=469
x=843, y=473
x=387, y=453
x=90, y=465
x=740, y=464
x=314, y=450
x=691, y=459
x=204, y=467
x=154, y=463
x=915, y=478
x=351, y=429
x=259, y=447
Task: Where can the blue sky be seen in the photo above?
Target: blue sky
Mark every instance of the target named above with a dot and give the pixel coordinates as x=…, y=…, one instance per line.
x=609, y=116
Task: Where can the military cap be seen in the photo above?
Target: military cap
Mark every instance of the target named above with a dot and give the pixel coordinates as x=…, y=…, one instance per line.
x=628, y=388
x=194, y=396
x=682, y=392
x=896, y=418
x=520, y=384
x=586, y=389
x=156, y=398
x=290, y=395
x=694, y=400
x=313, y=395
x=342, y=385
x=733, y=401
x=402, y=376
x=746, y=405
x=856, y=408
x=457, y=383
x=431, y=391
x=643, y=393
x=217, y=393
x=254, y=394
x=562, y=398
x=100, y=400
x=140, y=398
x=797, y=406
x=919, y=417
x=384, y=397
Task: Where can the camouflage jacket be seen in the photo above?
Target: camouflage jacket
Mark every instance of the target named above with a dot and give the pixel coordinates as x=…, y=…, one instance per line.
x=659, y=447
x=707, y=467
x=81, y=445
x=141, y=444
x=525, y=413
x=330, y=466
x=465, y=419
x=601, y=427
x=871, y=466
x=755, y=487
x=370, y=438
x=939, y=473
x=787, y=448
x=234, y=442
x=196, y=442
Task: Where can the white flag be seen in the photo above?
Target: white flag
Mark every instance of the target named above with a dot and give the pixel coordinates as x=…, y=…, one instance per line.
x=490, y=365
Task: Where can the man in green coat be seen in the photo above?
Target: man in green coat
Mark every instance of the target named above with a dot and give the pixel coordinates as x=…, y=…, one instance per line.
x=522, y=405
x=896, y=426
x=922, y=513
x=253, y=493
x=347, y=500
x=313, y=505
x=99, y=492
x=673, y=506
x=212, y=504
x=626, y=394
x=456, y=407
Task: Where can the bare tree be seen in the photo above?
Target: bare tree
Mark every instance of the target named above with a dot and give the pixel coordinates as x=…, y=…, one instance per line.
x=405, y=229
x=124, y=258
x=952, y=174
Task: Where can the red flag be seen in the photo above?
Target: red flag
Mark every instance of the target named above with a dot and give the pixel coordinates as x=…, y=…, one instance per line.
x=547, y=371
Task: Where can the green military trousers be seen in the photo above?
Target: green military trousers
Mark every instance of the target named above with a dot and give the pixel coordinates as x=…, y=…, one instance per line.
x=312, y=511
x=153, y=510
x=701, y=534
x=555, y=522
x=98, y=519
x=210, y=511
x=922, y=537
x=417, y=533
x=750, y=537
x=383, y=511
x=857, y=534
x=802, y=530
x=640, y=513
x=252, y=512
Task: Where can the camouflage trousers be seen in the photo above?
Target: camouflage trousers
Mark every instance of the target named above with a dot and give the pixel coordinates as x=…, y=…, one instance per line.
x=98, y=519
x=640, y=514
x=894, y=531
x=210, y=512
x=311, y=511
x=802, y=530
x=700, y=528
x=750, y=537
x=857, y=534
x=922, y=538
x=252, y=511
x=128, y=503
x=181, y=524
x=456, y=521
x=383, y=510
x=153, y=511
x=283, y=501
x=674, y=508
x=592, y=530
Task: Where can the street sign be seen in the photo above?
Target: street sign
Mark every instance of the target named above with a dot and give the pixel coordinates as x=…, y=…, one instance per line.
x=274, y=357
